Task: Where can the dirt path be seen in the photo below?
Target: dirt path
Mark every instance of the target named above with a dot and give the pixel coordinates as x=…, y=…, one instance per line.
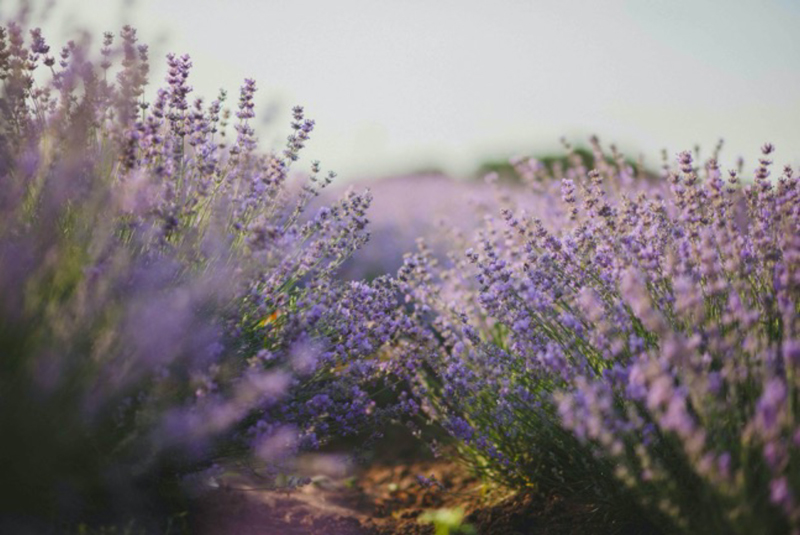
x=381, y=499
x=266, y=512
x=240, y=505
x=386, y=499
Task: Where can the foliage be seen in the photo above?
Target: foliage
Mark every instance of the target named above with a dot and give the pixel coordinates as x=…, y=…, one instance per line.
x=167, y=301
x=646, y=335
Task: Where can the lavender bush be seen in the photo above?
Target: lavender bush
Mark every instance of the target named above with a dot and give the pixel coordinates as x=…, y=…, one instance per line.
x=167, y=300
x=646, y=334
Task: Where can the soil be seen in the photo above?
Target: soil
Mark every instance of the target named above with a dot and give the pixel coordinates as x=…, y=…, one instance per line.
x=386, y=498
x=383, y=496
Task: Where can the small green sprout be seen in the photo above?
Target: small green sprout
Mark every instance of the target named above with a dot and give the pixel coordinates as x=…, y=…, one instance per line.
x=447, y=521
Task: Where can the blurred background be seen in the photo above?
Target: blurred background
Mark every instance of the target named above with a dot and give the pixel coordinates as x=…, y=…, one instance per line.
x=401, y=87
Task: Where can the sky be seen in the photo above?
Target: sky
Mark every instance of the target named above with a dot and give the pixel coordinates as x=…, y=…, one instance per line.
x=401, y=85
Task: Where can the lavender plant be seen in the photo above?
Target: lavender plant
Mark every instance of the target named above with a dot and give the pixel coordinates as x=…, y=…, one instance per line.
x=646, y=334
x=491, y=380
x=166, y=298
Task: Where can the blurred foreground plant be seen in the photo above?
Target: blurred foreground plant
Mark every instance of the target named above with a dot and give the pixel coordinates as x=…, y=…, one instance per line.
x=166, y=299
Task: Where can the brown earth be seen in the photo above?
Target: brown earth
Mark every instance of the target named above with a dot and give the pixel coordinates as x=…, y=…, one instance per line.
x=385, y=498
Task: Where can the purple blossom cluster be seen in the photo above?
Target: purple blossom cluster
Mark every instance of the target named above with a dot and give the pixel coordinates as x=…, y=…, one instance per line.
x=645, y=334
x=169, y=298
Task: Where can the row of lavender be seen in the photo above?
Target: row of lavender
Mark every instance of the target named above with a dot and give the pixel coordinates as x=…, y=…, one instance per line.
x=170, y=300
x=648, y=334
x=167, y=301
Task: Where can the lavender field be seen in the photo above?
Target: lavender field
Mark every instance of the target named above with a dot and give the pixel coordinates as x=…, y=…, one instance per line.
x=201, y=332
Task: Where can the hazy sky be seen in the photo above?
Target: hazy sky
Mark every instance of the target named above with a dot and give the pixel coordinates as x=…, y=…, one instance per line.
x=396, y=85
